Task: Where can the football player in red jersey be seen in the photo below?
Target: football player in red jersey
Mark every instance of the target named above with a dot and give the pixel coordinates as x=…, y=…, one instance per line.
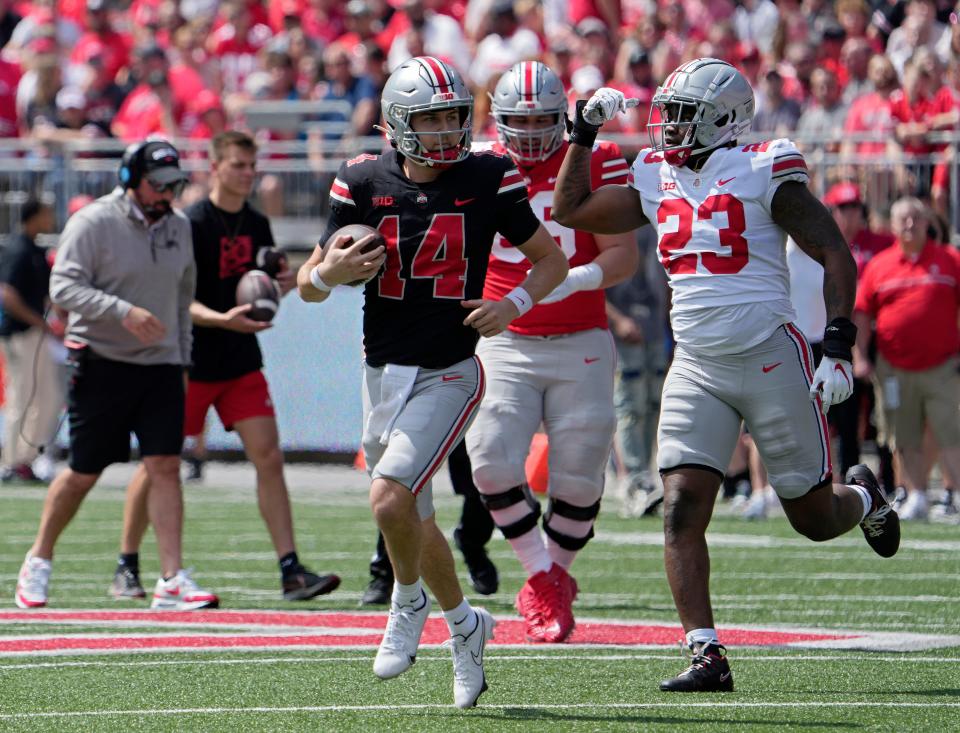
x=438, y=206
x=722, y=213
x=553, y=366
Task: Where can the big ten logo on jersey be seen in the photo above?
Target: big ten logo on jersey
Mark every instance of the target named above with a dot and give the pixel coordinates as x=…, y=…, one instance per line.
x=440, y=256
x=542, y=205
x=236, y=255
x=719, y=218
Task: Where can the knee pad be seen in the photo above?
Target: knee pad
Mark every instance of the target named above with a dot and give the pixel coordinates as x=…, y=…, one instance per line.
x=511, y=497
x=585, y=514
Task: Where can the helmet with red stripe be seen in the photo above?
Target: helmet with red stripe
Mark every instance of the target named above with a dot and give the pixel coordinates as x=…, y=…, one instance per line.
x=530, y=89
x=703, y=104
x=426, y=84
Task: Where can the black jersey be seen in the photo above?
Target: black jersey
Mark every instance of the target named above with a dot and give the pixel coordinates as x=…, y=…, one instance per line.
x=225, y=246
x=439, y=236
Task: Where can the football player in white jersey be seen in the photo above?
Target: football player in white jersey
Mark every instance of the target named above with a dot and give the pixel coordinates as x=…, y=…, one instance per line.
x=722, y=213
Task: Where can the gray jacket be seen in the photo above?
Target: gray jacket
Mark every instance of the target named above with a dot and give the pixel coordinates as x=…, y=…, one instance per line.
x=110, y=260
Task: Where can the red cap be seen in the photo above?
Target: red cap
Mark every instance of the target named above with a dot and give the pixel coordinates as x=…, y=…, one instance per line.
x=843, y=193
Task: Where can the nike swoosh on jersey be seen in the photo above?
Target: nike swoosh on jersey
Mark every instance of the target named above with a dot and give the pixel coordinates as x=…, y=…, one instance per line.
x=463, y=202
x=451, y=377
x=771, y=367
x=724, y=182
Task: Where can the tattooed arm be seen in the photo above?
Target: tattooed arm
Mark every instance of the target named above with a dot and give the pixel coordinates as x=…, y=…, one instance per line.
x=608, y=210
x=804, y=218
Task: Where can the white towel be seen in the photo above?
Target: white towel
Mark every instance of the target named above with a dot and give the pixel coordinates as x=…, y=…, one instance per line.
x=396, y=383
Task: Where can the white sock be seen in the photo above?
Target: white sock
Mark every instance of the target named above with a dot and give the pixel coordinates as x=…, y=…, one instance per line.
x=563, y=558
x=702, y=636
x=532, y=552
x=462, y=619
x=407, y=595
x=865, y=498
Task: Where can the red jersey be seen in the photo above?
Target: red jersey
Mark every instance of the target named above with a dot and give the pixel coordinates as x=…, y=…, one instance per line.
x=112, y=49
x=871, y=113
x=508, y=267
x=915, y=302
x=867, y=244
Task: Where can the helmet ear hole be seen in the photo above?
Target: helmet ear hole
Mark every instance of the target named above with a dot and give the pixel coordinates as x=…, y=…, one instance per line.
x=723, y=120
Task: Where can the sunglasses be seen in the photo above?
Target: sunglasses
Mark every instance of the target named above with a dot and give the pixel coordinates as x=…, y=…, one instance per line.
x=175, y=187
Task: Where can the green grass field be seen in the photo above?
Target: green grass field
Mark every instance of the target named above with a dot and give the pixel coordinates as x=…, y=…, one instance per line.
x=764, y=575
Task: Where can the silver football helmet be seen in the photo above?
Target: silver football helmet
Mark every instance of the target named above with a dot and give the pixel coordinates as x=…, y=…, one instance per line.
x=423, y=84
x=530, y=89
x=703, y=104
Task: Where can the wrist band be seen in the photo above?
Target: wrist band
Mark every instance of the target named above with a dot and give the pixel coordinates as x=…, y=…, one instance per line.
x=520, y=298
x=317, y=281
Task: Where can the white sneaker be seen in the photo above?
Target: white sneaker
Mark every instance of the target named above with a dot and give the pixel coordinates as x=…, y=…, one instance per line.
x=33, y=582
x=914, y=507
x=469, y=681
x=181, y=593
x=398, y=649
x=756, y=507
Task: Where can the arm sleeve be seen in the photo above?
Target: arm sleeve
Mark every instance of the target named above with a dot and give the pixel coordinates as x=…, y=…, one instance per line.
x=186, y=295
x=515, y=219
x=608, y=166
x=343, y=209
x=785, y=163
x=71, y=281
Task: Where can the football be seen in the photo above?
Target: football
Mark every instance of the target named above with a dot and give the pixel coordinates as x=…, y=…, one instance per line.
x=271, y=260
x=355, y=232
x=262, y=292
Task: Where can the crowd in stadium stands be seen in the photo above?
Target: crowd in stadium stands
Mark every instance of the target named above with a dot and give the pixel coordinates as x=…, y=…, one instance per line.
x=92, y=68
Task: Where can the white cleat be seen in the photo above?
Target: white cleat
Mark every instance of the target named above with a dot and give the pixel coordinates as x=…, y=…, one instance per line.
x=32, y=583
x=181, y=593
x=398, y=649
x=469, y=682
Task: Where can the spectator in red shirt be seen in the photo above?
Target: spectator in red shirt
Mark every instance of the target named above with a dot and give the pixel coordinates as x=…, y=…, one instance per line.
x=113, y=48
x=912, y=292
x=916, y=107
x=872, y=112
x=151, y=108
x=236, y=43
x=845, y=202
x=9, y=78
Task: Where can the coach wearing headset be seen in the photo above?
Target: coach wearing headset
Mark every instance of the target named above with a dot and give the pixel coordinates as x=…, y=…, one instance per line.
x=125, y=272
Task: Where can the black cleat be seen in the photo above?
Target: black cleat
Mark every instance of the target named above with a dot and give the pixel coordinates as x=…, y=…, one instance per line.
x=301, y=584
x=483, y=573
x=881, y=527
x=126, y=584
x=378, y=592
x=708, y=672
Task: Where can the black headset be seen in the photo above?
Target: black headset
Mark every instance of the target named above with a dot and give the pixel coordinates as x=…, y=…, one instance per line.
x=131, y=165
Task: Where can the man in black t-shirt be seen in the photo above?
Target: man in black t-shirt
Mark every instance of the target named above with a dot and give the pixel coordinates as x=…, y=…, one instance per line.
x=438, y=207
x=226, y=371
x=33, y=392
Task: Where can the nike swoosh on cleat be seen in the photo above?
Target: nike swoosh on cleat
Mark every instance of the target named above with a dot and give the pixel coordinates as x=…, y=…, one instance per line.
x=725, y=677
x=770, y=367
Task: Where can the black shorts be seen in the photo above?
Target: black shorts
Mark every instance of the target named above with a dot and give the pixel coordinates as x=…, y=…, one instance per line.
x=108, y=400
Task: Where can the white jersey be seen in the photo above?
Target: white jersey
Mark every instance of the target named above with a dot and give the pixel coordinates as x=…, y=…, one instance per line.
x=722, y=250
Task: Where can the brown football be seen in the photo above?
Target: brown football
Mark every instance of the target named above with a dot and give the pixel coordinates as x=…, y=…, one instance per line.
x=262, y=292
x=355, y=232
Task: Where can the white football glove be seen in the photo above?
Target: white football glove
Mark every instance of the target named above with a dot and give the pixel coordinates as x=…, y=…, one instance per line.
x=605, y=104
x=833, y=382
x=583, y=277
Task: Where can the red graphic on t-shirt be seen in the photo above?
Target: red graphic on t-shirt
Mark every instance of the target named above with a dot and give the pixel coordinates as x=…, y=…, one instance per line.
x=236, y=254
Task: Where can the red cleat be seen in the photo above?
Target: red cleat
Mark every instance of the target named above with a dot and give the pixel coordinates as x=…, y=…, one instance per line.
x=546, y=604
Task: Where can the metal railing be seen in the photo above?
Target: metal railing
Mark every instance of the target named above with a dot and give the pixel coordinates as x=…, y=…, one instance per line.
x=298, y=174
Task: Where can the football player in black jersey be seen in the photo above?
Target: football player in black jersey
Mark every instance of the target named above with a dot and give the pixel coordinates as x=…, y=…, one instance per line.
x=438, y=207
